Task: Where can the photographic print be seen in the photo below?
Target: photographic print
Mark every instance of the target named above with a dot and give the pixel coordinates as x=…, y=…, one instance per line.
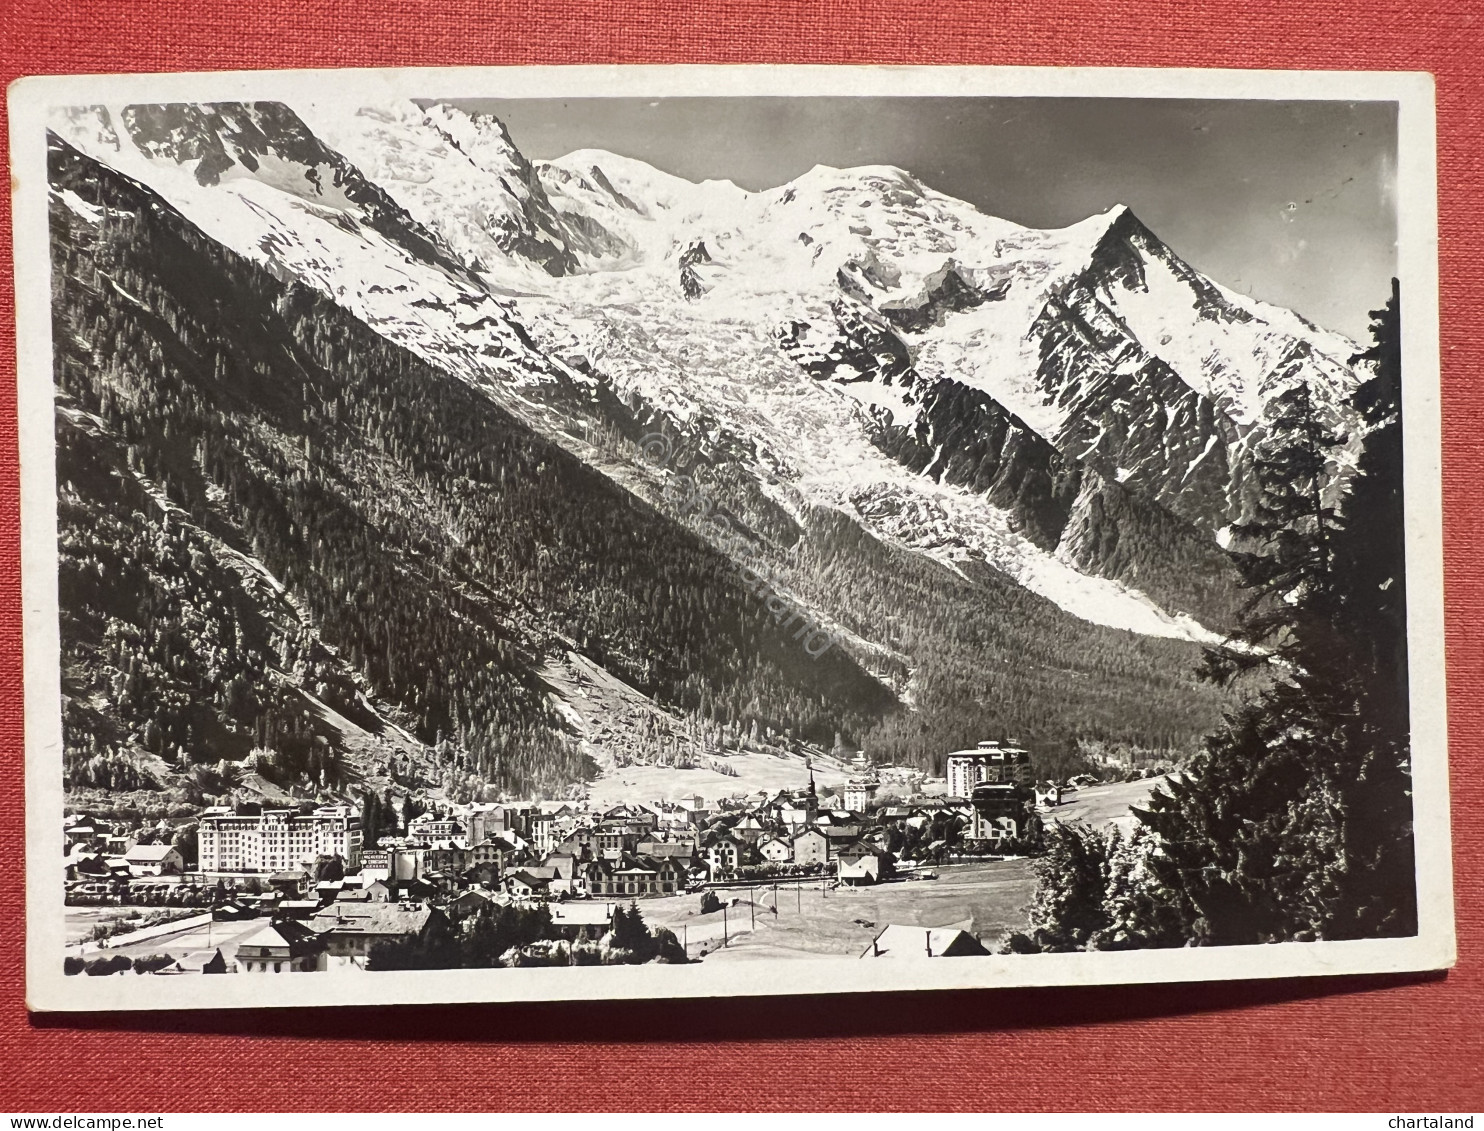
x=567, y=533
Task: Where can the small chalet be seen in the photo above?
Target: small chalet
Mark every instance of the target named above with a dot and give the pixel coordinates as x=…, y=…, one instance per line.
x=900, y=941
x=284, y=946
x=776, y=849
x=154, y=860
x=569, y=920
x=530, y=882
x=351, y=930
x=859, y=864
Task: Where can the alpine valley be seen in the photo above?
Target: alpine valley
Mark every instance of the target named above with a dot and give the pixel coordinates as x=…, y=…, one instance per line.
x=351, y=490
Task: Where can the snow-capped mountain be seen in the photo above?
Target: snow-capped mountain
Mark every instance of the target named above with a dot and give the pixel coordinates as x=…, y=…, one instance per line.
x=1097, y=337
x=257, y=180
x=460, y=176
x=1072, y=408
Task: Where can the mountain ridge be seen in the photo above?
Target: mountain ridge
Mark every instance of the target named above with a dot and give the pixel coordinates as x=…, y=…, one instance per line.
x=851, y=364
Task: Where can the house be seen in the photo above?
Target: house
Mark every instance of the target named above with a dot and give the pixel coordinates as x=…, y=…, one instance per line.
x=724, y=854
x=447, y=855
x=632, y=877
x=901, y=941
x=811, y=846
x=545, y=832
x=615, y=836
x=82, y=864
x=482, y=875
x=530, y=882
x=776, y=849
x=232, y=911
x=302, y=909
x=841, y=835
x=154, y=860
x=393, y=891
x=290, y=885
x=518, y=815
x=494, y=851
x=483, y=822
x=351, y=930
x=576, y=841
x=670, y=816
x=471, y=902
x=569, y=920
x=430, y=827
x=569, y=874
x=860, y=864
x=671, y=873
x=796, y=816
x=284, y=946
x=682, y=850
x=442, y=883
x=81, y=834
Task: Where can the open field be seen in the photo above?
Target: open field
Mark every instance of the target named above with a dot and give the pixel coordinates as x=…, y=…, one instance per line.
x=191, y=943
x=1105, y=804
x=986, y=899
x=602, y=709
x=755, y=771
x=78, y=922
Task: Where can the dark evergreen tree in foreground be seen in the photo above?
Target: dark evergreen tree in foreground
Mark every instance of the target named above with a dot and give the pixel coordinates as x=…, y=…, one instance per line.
x=1295, y=823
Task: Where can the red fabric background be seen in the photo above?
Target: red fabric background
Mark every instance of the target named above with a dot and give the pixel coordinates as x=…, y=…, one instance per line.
x=1402, y=1044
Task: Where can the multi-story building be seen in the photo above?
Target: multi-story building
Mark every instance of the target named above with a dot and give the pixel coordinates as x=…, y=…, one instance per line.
x=987, y=762
x=859, y=792
x=428, y=827
x=811, y=847
x=486, y=821
x=616, y=836
x=1000, y=811
x=279, y=839
x=724, y=854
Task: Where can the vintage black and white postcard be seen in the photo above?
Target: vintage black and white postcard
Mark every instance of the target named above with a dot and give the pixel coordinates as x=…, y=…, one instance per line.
x=685, y=531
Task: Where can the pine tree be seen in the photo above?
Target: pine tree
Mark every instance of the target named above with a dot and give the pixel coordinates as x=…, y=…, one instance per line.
x=631, y=934
x=1071, y=889
x=1295, y=824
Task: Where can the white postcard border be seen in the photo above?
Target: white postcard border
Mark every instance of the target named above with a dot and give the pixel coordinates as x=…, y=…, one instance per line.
x=48, y=989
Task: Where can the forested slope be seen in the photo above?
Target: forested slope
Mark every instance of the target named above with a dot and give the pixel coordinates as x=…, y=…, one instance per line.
x=436, y=546
x=278, y=529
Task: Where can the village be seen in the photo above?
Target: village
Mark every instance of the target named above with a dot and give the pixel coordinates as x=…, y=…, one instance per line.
x=881, y=866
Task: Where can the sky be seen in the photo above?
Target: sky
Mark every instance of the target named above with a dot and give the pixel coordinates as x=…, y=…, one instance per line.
x=1289, y=202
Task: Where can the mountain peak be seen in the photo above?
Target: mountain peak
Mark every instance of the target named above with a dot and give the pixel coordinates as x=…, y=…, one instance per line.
x=864, y=173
